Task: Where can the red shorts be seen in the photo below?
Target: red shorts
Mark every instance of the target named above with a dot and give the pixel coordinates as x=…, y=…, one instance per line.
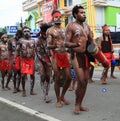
x=27, y=65
x=62, y=59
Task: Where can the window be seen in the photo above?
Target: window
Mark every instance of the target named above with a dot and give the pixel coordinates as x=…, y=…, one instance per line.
x=68, y=3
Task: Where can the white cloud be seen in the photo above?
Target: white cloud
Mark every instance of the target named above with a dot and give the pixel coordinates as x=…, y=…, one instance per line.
x=11, y=12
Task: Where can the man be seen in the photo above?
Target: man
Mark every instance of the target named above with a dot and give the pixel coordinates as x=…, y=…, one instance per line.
x=44, y=62
x=5, y=66
x=26, y=48
x=106, y=47
x=78, y=34
x=12, y=43
x=60, y=61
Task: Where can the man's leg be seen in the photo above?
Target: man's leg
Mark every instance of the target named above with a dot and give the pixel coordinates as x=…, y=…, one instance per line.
x=91, y=70
x=80, y=90
x=19, y=81
x=32, y=84
x=104, y=75
x=3, y=79
x=8, y=79
x=112, y=71
x=23, y=85
x=57, y=88
x=66, y=85
x=14, y=81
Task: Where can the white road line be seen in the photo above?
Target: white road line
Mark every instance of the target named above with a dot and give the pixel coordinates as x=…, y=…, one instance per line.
x=28, y=110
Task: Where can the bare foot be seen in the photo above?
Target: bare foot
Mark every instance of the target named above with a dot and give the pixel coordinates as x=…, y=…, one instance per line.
x=18, y=90
x=84, y=109
x=4, y=89
x=58, y=104
x=66, y=102
x=77, y=110
x=47, y=99
x=114, y=77
x=103, y=81
x=8, y=88
x=91, y=81
x=15, y=90
x=33, y=93
x=24, y=94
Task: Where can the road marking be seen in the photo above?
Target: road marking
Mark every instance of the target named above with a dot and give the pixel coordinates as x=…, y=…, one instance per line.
x=28, y=110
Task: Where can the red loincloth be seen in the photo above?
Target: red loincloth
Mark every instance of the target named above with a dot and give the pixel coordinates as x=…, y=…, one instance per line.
x=17, y=63
x=108, y=56
x=62, y=59
x=27, y=65
x=4, y=65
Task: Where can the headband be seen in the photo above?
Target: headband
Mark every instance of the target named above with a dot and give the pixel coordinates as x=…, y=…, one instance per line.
x=56, y=14
x=105, y=28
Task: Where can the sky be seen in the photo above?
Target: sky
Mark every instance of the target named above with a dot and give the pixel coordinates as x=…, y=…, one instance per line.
x=11, y=12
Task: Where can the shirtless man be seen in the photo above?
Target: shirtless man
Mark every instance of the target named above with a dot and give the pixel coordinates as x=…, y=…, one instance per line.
x=55, y=40
x=5, y=67
x=77, y=34
x=44, y=63
x=12, y=43
x=26, y=48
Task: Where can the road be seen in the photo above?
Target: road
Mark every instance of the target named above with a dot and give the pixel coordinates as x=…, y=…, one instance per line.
x=10, y=113
x=102, y=100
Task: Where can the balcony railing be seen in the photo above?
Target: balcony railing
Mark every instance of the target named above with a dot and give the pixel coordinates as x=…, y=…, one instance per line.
x=29, y=4
x=100, y=2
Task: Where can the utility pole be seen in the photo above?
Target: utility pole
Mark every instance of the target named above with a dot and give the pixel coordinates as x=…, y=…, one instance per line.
x=21, y=24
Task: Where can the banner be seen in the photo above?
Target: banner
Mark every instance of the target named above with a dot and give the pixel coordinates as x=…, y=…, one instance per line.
x=47, y=9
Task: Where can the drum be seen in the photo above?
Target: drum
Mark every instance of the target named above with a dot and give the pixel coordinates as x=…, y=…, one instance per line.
x=97, y=53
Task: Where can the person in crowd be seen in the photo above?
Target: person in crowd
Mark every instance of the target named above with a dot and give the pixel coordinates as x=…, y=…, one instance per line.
x=60, y=61
x=26, y=48
x=5, y=66
x=74, y=79
x=105, y=44
x=113, y=64
x=44, y=62
x=77, y=35
x=93, y=63
x=12, y=44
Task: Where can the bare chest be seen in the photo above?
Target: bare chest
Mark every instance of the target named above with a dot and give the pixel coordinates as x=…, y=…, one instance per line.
x=58, y=33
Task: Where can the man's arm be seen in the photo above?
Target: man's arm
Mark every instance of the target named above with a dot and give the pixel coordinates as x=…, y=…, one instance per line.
x=49, y=40
x=68, y=37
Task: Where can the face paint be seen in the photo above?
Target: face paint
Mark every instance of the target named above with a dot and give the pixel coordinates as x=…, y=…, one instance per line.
x=26, y=32
x=4, y=38
x=57, y=18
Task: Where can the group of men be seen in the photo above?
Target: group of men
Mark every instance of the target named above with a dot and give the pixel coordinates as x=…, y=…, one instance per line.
x=52, y=48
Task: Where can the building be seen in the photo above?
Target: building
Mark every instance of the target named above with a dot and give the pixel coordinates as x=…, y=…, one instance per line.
x=99, y=12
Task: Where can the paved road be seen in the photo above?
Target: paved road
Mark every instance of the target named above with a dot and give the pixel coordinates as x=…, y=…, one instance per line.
x=9, y=113
x=103, y=105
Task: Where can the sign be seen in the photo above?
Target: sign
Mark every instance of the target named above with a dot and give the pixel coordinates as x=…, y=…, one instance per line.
x=47, y=9
x=34, y=36
x=11, y=30
x=36, y=30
